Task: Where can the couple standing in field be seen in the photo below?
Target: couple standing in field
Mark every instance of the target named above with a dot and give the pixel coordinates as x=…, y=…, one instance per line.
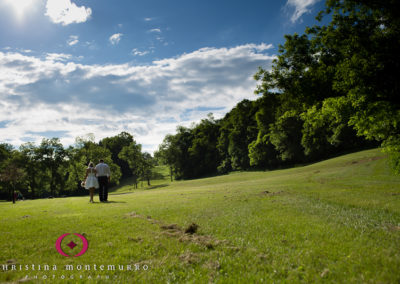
x=98, y=177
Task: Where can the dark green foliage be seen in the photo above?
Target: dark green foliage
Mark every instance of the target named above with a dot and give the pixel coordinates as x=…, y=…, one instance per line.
x=192, y=152
x=50, y=159
x=140, y=164
x=147, y=166
x=175, y=152
x=132, y=154
x=366, y=37
x=326, y=129
x=285, y=135
x=262, y=152
x=115, y=145
x=12, y=172
x=237, y=130
x=203, y=154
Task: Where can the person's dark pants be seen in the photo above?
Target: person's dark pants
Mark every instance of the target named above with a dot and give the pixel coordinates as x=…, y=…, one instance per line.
x=103, y=188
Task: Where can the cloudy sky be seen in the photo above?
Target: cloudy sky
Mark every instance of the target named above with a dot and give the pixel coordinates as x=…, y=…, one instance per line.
x=73, y=67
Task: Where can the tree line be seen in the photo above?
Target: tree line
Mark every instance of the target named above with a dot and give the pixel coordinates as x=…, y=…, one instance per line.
x=49, y=169
x=331, y=90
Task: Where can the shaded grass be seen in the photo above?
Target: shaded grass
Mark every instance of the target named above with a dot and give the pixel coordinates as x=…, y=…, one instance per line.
x=160, y=179
x=333, y=221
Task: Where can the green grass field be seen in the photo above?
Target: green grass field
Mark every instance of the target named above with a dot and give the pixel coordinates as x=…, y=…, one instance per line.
x=335, y=221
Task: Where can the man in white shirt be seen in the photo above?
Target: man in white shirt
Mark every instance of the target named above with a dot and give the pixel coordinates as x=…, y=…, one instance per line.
x=103, y=175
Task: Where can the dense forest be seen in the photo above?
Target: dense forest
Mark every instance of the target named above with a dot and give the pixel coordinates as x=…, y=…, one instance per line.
x=49, y=169
x=331, y=90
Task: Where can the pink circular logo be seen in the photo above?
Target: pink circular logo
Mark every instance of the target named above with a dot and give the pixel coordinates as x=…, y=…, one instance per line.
x=72, y=245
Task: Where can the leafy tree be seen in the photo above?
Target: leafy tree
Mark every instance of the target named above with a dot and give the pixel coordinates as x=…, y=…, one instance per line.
x=285, y=135
x=300, y=76
x=180, y=144
x=262, y=152
x=238, y=128
x=89, y=151
x=166, y=153
x=5, y=152
x=12, y=175
x=365, y=36
x=34, y=174
x=203, y=154
x=77, y=163
x=115, y=145
x=132, y=154
x=147, y=166
x=51, y=154
x=326, y=130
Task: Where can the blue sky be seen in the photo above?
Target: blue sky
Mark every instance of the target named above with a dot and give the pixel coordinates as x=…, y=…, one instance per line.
x=73, y=67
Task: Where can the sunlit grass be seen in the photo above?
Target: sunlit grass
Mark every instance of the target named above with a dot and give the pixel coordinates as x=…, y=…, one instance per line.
x=335, y=221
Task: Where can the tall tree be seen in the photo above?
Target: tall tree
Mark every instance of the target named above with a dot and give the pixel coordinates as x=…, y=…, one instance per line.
x=12, y=175
x=51, y=154
x=34, y=175
x=365, y=36
x=115, y=145
x=89, y=151
x=147, y=167
x=238, y=128
x=166, y=153
x=203, y=154
x=132, y=154
x=262, y=152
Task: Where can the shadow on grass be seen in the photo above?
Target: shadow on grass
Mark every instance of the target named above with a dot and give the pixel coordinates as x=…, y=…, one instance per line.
x=157, y=186
x=108, y=202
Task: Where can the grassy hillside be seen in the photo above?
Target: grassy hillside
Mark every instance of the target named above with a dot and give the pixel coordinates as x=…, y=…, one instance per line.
x=161, y=178
x=333, y=221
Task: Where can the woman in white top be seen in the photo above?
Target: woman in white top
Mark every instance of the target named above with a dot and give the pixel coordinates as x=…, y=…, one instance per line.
x=91, y=182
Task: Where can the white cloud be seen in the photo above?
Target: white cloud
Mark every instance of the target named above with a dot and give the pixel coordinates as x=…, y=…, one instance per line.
x=148, y=19
x=137, y=52
x=115, y=38
x=72, y=40
x=66, y=12
x=155, y=31
x=301, y=7
x=58, y=57
x=52, y=96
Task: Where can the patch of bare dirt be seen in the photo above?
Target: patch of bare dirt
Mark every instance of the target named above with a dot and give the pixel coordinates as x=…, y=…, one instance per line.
x=189, y=258
x=324, y=272
x=191, y=229
x=188, y=234
x=393, y=228
x=134, y=215
x=172, y=227
x=213, y=265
